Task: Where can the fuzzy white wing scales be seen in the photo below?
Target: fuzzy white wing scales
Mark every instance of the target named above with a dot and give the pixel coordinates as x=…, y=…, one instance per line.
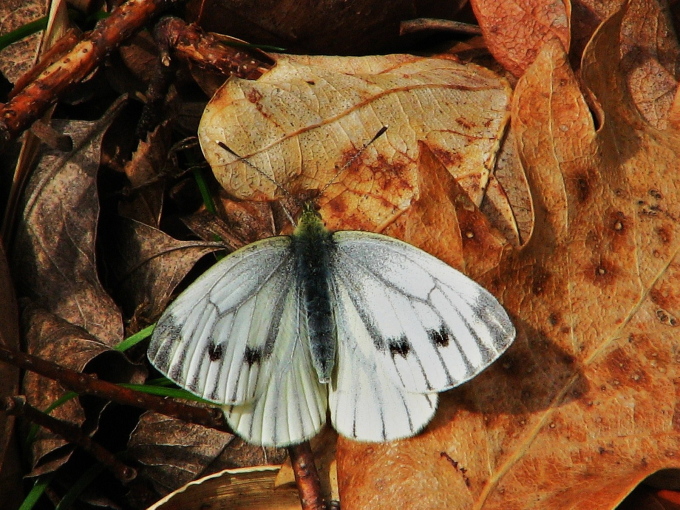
x=291, y=406
x=432, y=327
x=364, y=403
x=408, y=326
x=234, y=337
x=204, y=338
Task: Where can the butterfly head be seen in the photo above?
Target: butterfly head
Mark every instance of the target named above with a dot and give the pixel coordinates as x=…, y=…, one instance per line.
x=310, y=223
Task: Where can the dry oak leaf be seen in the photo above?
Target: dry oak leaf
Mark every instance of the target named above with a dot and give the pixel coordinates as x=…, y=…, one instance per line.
x=651, y=60
x=150, y=264
x=52, y=338
x=308, y=116
x=171, y=452
x=18, y=58
x=72, y=320
x=515, y=30
x=584, y=405
x=54, y=252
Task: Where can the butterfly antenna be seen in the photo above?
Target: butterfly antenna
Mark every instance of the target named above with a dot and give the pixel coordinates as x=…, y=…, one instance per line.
x=270, y=179
x=245, y=160
x=288, y=194
x=344, y=167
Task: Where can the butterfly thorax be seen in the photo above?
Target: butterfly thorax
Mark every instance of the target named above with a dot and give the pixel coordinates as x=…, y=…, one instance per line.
x=312, y=245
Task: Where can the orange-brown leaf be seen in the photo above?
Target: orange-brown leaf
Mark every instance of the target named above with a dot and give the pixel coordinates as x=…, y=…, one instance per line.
x=309, y=116
x=583, y=406
x=515, y=30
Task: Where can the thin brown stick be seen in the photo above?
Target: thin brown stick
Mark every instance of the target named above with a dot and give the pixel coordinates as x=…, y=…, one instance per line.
x=306, y=476
x=17, y=406
x=33, y=100
x=413, y=26
x=57, y=51
x=87, y=384
x=209, y=51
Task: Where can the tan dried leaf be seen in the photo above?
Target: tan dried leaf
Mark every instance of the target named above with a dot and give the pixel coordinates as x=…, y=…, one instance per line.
x=151, y=265
x=172, y=452
x=586, y=17
x=54, y=249
x=236, y=489
x=52, y=338
x=75, y=322
x=651, y=60
x=309, y=116
x=145, y=202
x=18, y=58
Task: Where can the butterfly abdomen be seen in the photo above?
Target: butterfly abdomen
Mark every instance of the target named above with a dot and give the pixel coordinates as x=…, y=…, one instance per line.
x=312, y=246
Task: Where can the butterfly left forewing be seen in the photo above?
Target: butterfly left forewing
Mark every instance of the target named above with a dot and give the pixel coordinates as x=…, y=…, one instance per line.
x=216, y=337
x=235, y=337
x=431, y=326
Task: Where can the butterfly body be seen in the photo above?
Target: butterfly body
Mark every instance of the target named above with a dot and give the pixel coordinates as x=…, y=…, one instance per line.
x=312, y=246
x=364, y=325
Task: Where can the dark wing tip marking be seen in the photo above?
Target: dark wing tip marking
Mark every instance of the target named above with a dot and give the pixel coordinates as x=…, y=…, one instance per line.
x=165, y=336
x=252, y=356
x=165, y=333
x=215, y=351
x=399, y=347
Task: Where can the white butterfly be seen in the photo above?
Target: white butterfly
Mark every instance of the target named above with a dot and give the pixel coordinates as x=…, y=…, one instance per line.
x=286, y=327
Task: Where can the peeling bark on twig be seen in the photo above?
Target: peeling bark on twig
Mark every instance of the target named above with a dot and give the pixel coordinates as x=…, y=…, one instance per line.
x=210, y=51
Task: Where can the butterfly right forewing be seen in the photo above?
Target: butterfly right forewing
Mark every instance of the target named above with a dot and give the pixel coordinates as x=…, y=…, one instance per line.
x=431, y=327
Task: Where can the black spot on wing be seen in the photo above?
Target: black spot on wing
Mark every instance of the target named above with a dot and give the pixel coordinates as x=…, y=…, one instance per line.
x=399, y=346
x=439, y=338
x=215, y=352
x=252, y=356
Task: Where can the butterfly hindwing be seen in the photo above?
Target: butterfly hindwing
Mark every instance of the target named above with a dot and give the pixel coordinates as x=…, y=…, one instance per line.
x=365, y=403
x=291, y=406
x=432, y=327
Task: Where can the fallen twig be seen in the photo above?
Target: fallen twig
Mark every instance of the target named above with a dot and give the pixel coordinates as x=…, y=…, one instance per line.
x=87, y=384
x=17, y=406
x=214, y=53
x=31, y=102
x=306, y=477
